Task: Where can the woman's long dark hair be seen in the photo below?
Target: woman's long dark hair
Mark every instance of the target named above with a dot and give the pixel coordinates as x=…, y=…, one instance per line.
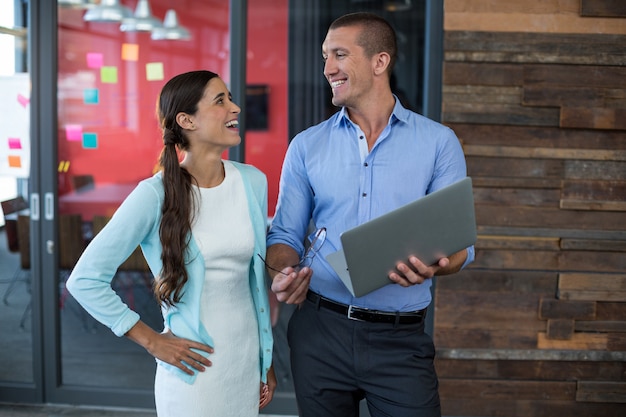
x=180, y=94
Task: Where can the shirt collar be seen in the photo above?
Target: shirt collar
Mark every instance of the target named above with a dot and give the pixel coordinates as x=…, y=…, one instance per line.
x=399, y=113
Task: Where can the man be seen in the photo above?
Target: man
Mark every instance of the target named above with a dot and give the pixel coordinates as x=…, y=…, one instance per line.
x=366, y=160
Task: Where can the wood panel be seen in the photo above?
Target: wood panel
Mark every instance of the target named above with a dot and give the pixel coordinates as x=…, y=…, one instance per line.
x=538, y=137
x=498, y=389
x=531, y=369
x=601, y=392
x=534, y=48
x=521, y=216
x=603, y=8
x=592, y=287
x=541, y=118
x=594, y=118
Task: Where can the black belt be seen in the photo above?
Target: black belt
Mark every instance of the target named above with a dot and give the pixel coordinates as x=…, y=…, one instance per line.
x=364, y=314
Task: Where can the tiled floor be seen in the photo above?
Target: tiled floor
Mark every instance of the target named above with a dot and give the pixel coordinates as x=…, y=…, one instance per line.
x=8, y=410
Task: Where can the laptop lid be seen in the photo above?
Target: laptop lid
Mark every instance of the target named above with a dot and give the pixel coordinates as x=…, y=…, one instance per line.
x=432, y=227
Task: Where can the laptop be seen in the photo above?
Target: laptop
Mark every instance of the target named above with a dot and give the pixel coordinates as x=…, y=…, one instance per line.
x=432, y=227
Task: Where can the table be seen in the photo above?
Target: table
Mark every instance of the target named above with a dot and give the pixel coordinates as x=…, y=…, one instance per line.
x=102, y=200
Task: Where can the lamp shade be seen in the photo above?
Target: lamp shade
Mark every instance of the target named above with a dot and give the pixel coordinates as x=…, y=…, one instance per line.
x=109, y=11
x=142, y=20
x=76, y=4
x=171, y=29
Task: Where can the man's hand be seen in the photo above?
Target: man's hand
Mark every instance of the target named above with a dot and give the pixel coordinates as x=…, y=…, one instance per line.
x=416, y=272
x=291, y=286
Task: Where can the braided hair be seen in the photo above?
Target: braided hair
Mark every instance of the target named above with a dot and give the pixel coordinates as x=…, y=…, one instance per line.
x=180, y=94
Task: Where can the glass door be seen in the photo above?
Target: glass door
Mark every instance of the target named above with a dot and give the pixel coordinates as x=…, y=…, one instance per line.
x=17, y=366
x=109, y=78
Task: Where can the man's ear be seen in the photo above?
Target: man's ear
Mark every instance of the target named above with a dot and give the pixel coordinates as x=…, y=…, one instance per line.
x=381, y=62
x=184, y=121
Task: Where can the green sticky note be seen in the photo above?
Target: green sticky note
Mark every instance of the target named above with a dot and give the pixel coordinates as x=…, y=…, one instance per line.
x=108, y=75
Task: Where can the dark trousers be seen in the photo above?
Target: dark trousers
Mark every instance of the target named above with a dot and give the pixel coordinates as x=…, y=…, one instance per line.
x=336, y=362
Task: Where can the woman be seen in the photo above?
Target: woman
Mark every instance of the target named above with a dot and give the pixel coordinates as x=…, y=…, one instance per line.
x=200, y=223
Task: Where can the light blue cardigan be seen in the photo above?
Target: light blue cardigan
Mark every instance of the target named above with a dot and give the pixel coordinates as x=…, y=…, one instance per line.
x=136, y=222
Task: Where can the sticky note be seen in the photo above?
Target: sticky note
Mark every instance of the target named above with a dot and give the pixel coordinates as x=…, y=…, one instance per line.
x=90, y=95
x=130, y=52
x=95, y=60
x=90, y=140
x=15, y=143
x=64, y=166
x=154, y=71
x=73, y=132
x=15, y=161
x=23, y=100
x=108, y=75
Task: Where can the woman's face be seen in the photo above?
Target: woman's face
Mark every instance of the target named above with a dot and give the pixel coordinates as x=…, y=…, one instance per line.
x=215, y=122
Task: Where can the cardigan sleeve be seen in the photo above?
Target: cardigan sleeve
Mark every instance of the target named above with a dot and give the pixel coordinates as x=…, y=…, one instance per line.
x=90, y=280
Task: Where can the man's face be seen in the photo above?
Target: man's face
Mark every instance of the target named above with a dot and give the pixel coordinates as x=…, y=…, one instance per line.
x=347, y=69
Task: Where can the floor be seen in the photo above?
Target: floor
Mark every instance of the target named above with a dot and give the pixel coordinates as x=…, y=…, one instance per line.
x=8, y=410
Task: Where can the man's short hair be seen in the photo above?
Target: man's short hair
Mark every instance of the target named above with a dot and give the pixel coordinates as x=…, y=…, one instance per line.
x=376, y=35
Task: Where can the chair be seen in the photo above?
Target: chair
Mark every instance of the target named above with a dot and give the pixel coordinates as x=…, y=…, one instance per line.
x=82, y=183
x=10, y=207
x=23, y=238
x=134, y=265
x=71, y=246
x=13, y=220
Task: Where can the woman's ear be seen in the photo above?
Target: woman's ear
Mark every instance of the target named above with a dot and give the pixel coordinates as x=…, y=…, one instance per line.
x=184, y=121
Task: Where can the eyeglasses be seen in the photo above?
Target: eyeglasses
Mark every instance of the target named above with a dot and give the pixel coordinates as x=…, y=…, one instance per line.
x=307, y=259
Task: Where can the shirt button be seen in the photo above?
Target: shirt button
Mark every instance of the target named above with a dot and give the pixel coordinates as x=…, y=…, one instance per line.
x=365, y=164
x=364, y=194
x=262, y=310
x=361, y=137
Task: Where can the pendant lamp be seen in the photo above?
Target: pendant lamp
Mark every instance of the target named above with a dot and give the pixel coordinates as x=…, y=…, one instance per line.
x=142, y=20
x=109, y=11
x=171, y=29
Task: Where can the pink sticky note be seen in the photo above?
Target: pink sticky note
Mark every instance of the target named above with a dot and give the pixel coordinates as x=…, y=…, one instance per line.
x=94, y=60
x=74, y=132
x=15, y=143
x=23, y=100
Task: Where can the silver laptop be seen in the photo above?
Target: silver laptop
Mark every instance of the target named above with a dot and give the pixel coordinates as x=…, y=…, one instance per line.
x=432, y=227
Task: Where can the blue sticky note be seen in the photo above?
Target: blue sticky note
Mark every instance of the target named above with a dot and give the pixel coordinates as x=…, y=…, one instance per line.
x=90, y=140
x=90, y=96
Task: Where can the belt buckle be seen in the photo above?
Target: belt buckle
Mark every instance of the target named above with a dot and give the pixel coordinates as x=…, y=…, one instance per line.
x=351, y=311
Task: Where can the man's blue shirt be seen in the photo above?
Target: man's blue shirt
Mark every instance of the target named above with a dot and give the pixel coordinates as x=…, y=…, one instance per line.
x=330, y=177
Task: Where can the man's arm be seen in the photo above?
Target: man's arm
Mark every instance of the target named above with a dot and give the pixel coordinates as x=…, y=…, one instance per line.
x=290, y=285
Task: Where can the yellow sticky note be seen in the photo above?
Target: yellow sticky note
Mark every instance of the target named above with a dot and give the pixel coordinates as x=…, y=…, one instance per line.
x=130, y=52
x=154, y=71
x=108, y=75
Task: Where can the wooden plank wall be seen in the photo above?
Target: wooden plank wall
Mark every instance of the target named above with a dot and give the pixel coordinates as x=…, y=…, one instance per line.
x=537, y=325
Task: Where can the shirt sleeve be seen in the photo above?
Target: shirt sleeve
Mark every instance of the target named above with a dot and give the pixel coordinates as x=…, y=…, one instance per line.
x=295, y=201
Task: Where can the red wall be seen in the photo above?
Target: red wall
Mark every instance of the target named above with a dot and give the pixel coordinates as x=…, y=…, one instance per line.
x=267, y=64
x=128, y=138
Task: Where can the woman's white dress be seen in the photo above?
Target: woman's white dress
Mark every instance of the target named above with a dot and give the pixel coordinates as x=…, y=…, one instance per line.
x=230, y=387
